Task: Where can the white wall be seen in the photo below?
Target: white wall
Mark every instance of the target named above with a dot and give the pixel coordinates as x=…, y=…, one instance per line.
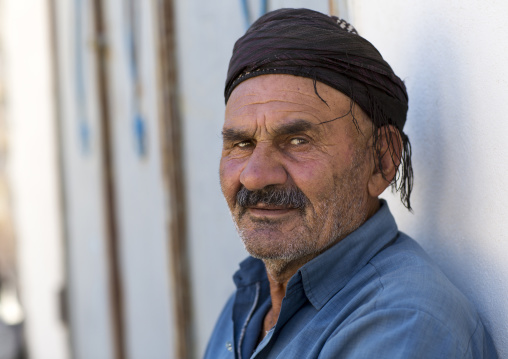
x=141, y=196
x=91, y=327
x=452, y=56
x=139, y=191
x=33, y=169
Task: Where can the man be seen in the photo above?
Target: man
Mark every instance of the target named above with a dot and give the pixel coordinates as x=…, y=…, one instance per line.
x=312, y=136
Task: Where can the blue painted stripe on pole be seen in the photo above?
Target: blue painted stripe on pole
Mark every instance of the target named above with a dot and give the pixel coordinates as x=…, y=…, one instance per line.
x=83, y=128
x=138, y=122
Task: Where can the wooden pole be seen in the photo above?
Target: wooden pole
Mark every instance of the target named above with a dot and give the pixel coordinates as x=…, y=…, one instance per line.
x=171, y=136
x=332, y=9
x=116, y=295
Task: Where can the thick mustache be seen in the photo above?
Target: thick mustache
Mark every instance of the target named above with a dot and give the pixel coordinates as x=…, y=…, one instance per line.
x=290, y=197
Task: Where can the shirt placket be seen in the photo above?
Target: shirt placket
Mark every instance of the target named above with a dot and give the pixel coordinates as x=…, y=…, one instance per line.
x=295, y=298
x=247, y=299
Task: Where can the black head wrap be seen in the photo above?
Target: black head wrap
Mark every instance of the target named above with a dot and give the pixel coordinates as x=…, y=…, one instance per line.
x=306, y=43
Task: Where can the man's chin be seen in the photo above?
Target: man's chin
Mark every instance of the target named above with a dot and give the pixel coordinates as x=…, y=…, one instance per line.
x=265, y=256
x=272, y=248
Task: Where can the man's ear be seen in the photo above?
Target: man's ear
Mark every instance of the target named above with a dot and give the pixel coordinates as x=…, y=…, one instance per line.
x=387, y=157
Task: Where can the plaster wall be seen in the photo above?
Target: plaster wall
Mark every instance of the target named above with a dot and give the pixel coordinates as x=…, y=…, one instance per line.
x=90, y=323
x=452, y=57
x=139, y=188
x=32, y=165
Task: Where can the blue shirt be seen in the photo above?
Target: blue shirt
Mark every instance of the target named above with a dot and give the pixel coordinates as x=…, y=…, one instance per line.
x=375, y=294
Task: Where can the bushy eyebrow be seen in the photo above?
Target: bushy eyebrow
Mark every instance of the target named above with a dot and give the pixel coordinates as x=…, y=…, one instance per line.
x=235, y=135
x=285, y=129
x=294, y=127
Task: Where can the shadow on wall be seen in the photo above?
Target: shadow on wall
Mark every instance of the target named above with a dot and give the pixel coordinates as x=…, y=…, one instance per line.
x=430, y=122
x=444, y=138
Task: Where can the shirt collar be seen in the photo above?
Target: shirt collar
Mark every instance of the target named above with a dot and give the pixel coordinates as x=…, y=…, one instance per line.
x=328, y=273
x=251, y=270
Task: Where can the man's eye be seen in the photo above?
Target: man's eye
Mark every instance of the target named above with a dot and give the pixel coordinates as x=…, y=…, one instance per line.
x=297, y=141
x=243, y=144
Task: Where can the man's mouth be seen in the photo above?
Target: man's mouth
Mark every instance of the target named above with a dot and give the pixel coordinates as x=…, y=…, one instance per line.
x=268, y=210
x=265, y=206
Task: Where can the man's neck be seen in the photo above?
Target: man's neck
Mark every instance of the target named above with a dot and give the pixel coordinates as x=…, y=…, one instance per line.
x=279, y=273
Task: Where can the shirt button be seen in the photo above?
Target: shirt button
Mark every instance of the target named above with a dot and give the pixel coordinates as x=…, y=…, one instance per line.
x=229, y=346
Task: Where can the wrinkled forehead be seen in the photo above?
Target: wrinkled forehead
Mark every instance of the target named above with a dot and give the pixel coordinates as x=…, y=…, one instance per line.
x=286, y=92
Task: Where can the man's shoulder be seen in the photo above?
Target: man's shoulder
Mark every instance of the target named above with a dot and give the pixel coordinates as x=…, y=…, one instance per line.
x=401, y=296
x=410, y=280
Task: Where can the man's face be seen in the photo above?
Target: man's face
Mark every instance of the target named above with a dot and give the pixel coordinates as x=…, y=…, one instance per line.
x=276, y=140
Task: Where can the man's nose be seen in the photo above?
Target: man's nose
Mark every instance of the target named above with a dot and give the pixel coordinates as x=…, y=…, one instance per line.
x=263, y=169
